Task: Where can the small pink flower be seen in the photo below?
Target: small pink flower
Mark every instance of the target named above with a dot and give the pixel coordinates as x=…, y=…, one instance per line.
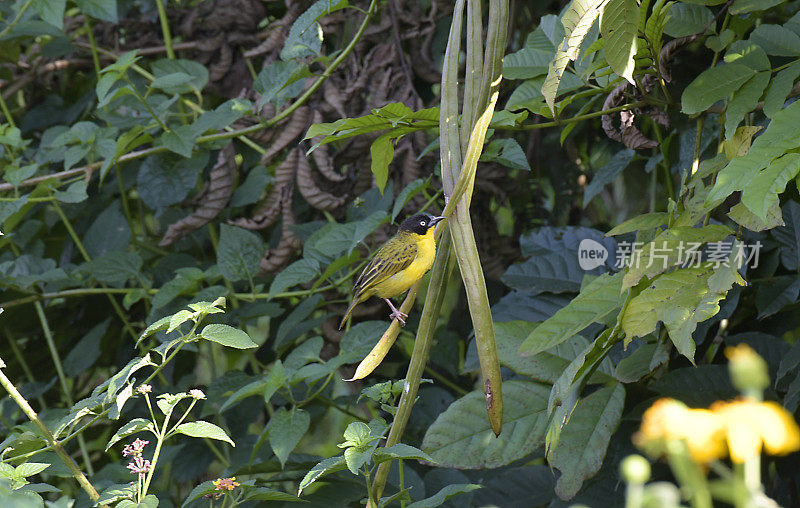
x=197, y=394
x=144, y=389
x=139, y=466
x=134, y=448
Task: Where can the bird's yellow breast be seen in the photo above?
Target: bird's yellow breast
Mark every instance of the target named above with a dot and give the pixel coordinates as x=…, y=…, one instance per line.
x=404, y=279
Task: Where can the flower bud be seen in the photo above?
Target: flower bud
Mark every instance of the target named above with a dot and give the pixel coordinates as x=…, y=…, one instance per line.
x=635, y=469
x=748, y=371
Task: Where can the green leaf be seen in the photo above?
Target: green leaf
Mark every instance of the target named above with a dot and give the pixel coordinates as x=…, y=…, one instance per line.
x=100, y=9
x=132, y=427
x=273, y=79
x=679, y=299
x=239, y=253
x=643, y=222
x=400, y=451
x=779, y=89
x=507, y=152
x=164, y=179
x=696, y=386
x=526, y=63
x=776, y=293
x=596, y=300
x=619, y=25
x=286, y=429
x=743, y=6
x=461, y=436
x=408, y=192
x=744, y=217
x=554, y=272
x=744, y=100
x=109, y=232
x=712, y=85
x=299, y=272
x=83, y=355
x=776, y=40
x=545, y=367
x=749, y=54
x=670, y=247
x=444, y=494
x=298, y=321
x=761, y=194
x=181, y=140
x=305, y=36
x=227, y=336
x=687, y=19
x=788, y=236
x=326, y=467
x=30, y=468
x=51, y=11
x=178, y=76
x=205, y=430
x=584, y=439
x=381, y=153
x=75, y=193
x=607, y=174
x=115, y=267
x=577, y=20
x=644, y=360
x=779, y=137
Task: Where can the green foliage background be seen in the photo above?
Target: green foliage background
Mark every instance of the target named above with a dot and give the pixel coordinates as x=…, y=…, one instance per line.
x=156, y=155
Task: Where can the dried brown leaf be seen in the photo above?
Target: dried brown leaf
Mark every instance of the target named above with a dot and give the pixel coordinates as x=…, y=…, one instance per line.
x=220, y=189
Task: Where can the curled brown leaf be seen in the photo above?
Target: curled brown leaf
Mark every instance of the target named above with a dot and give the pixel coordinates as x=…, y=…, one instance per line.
x=219, y=191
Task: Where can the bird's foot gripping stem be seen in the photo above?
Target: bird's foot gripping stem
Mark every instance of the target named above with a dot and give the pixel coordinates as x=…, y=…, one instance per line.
x=396, y=314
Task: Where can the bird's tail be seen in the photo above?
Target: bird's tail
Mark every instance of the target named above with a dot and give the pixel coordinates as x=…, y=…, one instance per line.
x=356, y=301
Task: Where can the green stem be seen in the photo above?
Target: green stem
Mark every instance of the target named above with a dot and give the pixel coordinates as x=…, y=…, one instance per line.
x=162, y=16
x=62, y=378
x=17, y=18
x=48, y=436
x=6, y=111
x=93, y=44
x=162, y=436
x=147, y=107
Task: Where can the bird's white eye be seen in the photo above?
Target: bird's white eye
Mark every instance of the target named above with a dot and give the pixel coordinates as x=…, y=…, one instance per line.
x=422, y=223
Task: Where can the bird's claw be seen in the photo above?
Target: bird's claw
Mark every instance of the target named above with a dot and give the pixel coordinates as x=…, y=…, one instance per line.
x=400, y=316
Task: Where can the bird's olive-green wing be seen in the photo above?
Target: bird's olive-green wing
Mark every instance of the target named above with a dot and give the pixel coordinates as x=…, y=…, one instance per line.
x=390, y=259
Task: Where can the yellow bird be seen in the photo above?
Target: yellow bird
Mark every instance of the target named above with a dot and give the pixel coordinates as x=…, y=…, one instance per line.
x=401, y=262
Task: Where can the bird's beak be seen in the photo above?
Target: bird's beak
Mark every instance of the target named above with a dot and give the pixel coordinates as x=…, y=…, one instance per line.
x=436, y=220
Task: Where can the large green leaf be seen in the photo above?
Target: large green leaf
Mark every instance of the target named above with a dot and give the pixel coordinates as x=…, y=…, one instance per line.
x=205, y=430
x=299, y=272
x=776, y=293
x=596, y=300
x=526, y=63
x=687, y=19
x=712, y=85
x=461, y=437
x=239, y=253
x=779, y=89
x=668, y=248
x=607, y=173
x=782, y=135
x=286, y=428
x=776, y=40
x=744, y=100
x=227, y=336
x=554, y=272
x=584, y=439
x=305, y=36
x=577, y=20
x=618, y=26
x=546, y=366
x=679, y=299
x=762, y=192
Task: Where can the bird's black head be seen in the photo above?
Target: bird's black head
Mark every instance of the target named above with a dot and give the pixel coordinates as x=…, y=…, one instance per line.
x=420, y=223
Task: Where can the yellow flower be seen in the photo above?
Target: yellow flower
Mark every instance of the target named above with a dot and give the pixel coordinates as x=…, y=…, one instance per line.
x=749, y=423
x=669, y=420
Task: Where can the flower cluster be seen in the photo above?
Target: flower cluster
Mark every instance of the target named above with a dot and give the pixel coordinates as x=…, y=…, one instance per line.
x=220, y=486
x=135, y=448
x=138, y=464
